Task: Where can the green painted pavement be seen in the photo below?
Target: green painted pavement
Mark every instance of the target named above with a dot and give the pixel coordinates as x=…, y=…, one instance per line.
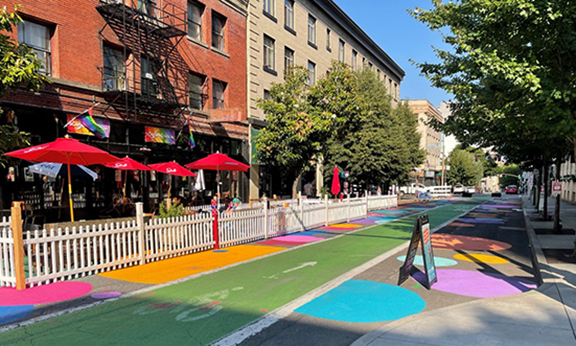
x=202, y=310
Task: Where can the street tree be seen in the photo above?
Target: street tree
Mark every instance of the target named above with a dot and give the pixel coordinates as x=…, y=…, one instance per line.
x=376, y=144
x=464, y=168
x=19, y=68
x=511, y=64
x=296, y=131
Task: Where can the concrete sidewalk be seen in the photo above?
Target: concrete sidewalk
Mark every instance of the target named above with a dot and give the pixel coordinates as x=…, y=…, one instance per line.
x=546, y=316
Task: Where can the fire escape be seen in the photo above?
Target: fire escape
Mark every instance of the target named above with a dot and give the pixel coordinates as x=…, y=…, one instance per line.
x=145, y=75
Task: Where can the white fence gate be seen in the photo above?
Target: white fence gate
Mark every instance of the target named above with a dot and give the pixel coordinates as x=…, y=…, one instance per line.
x=7, y=268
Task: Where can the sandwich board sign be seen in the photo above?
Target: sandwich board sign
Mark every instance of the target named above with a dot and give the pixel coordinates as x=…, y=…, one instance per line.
x=420, y=236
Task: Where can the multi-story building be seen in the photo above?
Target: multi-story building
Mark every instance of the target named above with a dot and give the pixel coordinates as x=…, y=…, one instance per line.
x=147, y=69
x=309, y=33
x=430, y=171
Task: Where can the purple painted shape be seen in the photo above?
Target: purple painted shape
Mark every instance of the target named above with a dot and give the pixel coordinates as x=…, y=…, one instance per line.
x=51, y=293
x=477, y=284
x=298, y=239
x=106, y=295
x=366, y=221
x=481, y=221
x=501, y=206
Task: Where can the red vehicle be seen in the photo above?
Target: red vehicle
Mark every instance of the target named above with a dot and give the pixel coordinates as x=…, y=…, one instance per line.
x=511, y=189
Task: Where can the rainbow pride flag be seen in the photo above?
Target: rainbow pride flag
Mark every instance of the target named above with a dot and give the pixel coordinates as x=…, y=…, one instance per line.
x=88, y=122
x=191, y=139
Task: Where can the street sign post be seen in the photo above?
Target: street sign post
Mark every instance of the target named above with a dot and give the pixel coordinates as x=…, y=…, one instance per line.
x=556, y=188
x=420, y=234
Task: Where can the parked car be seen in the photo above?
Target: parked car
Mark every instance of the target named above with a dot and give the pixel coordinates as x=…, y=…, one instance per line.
x=470, y=189
x=413, y=188
x=458, y=188
x=511, y=190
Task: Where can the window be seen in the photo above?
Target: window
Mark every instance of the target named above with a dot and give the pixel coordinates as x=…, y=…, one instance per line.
x=218, y=25
x=195, y=85
x=311, y=30
x=269, y=7
x=289, y=14
x=312, y=69
x=370, y=65
x=267, y=95
x=354, y=59
x=114, y=69
x=268, y=53
x=341, y=50
x=378, y=74
x=147, y=7
x=363, y=62
x=37, y=37
x=195, y=12
x=218, y=89
x=288, y=59
x=396, y=93
x=390, y=86
x=328, y=39
x=149, y=77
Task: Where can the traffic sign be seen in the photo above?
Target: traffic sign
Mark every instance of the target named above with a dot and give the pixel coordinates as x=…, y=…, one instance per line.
x=556, y=188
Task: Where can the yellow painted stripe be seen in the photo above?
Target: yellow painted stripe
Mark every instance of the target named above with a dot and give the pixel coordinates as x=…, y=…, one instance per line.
x=179, y=267
x=479, y=258
x=345, y=225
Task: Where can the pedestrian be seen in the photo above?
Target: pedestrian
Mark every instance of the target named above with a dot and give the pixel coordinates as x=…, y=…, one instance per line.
x=308, y=189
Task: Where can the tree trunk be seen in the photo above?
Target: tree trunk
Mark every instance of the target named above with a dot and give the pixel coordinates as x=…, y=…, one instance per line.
x=557, y=225
x=297, y=178
x=545, y=181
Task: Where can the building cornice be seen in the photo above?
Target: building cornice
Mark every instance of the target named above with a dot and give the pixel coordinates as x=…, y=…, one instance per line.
x=334, y=11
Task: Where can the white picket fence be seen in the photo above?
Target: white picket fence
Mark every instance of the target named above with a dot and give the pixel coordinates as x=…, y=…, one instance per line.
x=7, y=269
x=63, y=254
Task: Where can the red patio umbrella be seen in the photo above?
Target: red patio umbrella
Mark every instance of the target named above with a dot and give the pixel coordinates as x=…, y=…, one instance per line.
x=171, y=168
x=127, y=164
x=335, y=182
x=65, y=150
x=218, y=162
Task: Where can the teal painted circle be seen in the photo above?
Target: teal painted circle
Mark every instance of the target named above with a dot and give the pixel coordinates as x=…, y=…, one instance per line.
x=438, y=261
x=363, y=301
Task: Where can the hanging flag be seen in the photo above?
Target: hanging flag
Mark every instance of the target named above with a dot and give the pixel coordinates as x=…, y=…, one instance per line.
x=88, y=122
x=191, y=139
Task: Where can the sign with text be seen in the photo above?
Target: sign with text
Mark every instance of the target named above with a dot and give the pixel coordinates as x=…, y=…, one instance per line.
x=556, y=188
x=420, y=236
x=159, y=135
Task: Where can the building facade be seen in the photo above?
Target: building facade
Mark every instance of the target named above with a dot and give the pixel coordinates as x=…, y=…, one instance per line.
x=309, y=33
x=430, y=172
x=150, y=71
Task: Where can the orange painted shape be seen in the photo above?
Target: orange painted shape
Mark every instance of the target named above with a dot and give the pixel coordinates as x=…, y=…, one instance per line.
x=461, y=224
x=179, y=267
x=481, y=258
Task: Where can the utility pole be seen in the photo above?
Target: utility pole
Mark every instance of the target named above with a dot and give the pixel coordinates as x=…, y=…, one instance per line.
x=443, y=157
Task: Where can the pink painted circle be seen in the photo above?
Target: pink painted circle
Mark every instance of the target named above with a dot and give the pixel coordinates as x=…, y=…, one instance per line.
x=51, y=293
x=106, y=295
x=298, y=238
x=462, y=242
x=477, y=284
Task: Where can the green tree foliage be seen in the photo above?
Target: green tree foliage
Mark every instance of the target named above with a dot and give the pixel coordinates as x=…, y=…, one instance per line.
x=377, y=145
x=512, y=72
x=296, y=130
x=505, y=180
x=19, y=67
x=464, y=168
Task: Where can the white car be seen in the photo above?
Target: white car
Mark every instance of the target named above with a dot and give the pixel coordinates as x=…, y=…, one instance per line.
x=458, y=188
x=470, y=189
x=413, y=188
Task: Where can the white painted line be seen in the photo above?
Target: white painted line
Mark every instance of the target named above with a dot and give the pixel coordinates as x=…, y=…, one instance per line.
x=266, y=321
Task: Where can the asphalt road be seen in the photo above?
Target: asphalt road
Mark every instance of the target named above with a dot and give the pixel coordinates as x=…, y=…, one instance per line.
x=302, y=329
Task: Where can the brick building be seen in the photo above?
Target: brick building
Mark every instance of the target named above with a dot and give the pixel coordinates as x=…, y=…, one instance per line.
x=148, y=68
x=430, y=172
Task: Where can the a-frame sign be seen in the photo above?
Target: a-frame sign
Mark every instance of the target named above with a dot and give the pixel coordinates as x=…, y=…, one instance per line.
x=421, y=234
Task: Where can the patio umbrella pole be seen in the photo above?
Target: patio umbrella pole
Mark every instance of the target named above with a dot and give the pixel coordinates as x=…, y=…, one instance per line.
x=218, y=185
x=124, y=190
x=70, y=193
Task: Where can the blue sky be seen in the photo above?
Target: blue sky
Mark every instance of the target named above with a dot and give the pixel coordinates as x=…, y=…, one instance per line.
x=402, y=38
